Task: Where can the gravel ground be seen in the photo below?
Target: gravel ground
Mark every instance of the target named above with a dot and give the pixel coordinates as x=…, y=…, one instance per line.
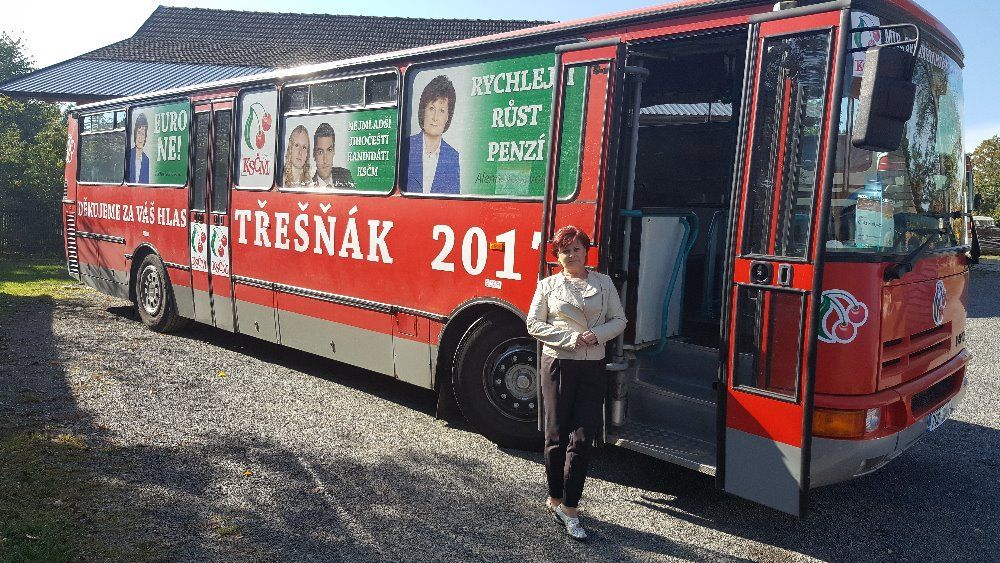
x=233, y=449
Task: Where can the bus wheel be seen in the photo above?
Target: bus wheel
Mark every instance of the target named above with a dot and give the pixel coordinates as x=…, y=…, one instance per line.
x=496, y=382
x=154, y=299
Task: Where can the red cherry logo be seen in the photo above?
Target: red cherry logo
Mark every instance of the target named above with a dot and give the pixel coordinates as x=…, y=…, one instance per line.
x=224, y=241
x=844, y=331
x=204, y=237
x=856, y=315
x=830, y=322
x=266, y=122
x=260, y=140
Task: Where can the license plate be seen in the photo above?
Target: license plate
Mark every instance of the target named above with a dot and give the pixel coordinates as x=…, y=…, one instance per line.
x=938, y=417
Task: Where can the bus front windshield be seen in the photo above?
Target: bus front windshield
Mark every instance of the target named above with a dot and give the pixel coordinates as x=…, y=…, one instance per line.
x=890, y=203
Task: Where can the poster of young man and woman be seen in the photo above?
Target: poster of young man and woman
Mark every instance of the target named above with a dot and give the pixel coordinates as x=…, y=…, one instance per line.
x=354, y=150
x=340, y=151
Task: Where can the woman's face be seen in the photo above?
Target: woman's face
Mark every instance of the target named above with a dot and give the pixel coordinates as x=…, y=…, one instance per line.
x=573, y=257
x=435, y=117
x=139, y=142
x=300, y=149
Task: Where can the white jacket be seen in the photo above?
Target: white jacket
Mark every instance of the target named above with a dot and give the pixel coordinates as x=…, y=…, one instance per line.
x=556, y=317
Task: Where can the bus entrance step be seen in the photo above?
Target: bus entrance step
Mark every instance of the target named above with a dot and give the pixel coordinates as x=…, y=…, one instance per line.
x=663, y=444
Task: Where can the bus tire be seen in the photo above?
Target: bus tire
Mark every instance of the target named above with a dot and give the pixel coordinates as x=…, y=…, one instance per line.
x=494, y=379
x=154, y=297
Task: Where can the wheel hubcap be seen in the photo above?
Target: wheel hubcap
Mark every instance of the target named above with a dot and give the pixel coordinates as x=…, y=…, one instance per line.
x=512, y=383
x=151, y=290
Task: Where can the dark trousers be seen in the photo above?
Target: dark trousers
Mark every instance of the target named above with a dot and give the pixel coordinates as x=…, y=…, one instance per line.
x=573, y=394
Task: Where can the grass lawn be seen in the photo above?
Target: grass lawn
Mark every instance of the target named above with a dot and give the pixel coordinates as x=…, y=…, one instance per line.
x=35, y=277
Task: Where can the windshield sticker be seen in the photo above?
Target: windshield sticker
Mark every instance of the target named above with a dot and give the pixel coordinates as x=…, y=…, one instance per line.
x=940, y=299
x=841, y=315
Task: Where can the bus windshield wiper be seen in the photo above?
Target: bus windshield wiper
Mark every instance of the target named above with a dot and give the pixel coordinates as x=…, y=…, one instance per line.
x=905, y=266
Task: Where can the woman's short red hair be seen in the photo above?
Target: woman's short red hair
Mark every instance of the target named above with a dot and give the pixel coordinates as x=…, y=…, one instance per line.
x=567, y=236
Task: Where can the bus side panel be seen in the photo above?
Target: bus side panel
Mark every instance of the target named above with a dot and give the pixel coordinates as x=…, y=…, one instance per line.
x=411, y=350
x=159, y=220
x=94, y=221
x=341, y=332
x=429, y=254
x=339, y=263
x=255, y=311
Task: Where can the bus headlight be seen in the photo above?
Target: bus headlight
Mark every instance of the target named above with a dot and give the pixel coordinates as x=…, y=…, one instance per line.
x=830, y=423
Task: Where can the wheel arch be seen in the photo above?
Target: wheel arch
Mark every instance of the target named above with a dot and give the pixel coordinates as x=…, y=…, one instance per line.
x=458, y=325
x=140, y=253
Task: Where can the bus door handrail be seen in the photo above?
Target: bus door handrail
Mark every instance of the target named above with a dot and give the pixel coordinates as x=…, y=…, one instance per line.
x=689, y=220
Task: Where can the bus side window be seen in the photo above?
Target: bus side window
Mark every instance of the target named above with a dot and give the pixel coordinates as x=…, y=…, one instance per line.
x=340, y=135
x=200, y=180
x=220, y=168
x=102, y=148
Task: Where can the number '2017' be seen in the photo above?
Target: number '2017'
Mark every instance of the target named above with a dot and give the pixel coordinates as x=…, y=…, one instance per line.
x=474, y=248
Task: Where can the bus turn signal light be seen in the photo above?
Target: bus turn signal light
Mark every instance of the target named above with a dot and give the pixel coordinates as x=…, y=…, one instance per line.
x=838, y=424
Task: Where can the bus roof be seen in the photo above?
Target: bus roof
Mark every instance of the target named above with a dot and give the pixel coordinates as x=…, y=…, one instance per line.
x=592, y=24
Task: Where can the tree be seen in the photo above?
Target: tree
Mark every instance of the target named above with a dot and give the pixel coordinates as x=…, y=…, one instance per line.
x=32, y=152
x=986, y=174
x=13, y=62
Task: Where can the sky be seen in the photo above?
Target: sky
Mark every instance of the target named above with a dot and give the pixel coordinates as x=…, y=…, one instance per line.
x=57, y=30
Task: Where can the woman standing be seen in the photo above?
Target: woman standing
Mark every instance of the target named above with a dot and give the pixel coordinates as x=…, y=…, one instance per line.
x=574, y=314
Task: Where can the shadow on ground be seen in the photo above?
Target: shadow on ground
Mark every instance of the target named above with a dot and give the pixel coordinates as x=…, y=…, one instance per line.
x=248, y=497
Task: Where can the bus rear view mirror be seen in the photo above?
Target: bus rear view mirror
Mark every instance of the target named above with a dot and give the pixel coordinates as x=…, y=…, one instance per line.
x=887, y=96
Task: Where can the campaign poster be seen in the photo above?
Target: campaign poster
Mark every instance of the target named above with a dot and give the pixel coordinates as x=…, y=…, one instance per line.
x=483, y=128
x=353, y=150
x=218, y=245
x=257, y=132
x=199, y=245
x=158, y=149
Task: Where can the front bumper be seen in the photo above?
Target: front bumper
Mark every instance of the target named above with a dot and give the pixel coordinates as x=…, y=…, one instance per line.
x=834, y=461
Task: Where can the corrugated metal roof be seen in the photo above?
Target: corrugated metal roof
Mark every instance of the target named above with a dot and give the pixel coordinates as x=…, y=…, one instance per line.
x=714, y=109
x=84, y=79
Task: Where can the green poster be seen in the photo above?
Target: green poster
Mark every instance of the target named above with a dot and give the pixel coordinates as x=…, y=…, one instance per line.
x=483, y=128
x=158, y=152
x=353, y=150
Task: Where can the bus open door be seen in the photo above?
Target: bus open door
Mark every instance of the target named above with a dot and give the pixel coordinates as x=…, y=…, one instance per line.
x=775, y=267
x=579, y=151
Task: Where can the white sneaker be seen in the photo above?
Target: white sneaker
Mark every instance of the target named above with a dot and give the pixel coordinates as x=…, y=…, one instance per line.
x=573, y=527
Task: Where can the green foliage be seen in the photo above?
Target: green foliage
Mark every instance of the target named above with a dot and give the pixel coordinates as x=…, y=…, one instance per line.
x=986, y=175
x=13, y=62
x=32, y=152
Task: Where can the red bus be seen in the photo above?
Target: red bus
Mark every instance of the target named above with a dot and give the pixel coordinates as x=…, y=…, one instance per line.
x=777, y=189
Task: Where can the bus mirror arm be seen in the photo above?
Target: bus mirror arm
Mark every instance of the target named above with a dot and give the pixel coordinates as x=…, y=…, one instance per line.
x=975, y=252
